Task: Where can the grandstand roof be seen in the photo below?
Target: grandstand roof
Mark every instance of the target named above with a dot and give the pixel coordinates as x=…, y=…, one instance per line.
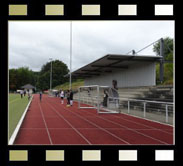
x=111, y=62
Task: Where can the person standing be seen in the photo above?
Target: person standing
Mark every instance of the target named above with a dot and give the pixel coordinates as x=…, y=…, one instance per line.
x=68, y=98
x=71, y=97
x=40, y=96
x=24, y=92
x=29, y=95
x=105, y=98
x=115, y=93
x=62, y=96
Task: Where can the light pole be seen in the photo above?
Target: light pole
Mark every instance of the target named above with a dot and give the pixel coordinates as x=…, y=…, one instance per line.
x=70, y=85
x=50, y=74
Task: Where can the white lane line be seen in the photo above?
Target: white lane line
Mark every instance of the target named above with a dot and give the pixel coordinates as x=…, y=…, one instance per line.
x=69, y=124
x=99, y=127
x=119, y=117
x=144, y=124
x=45, y=124
x=130, y=129
x=145, y=135
x=84, y=128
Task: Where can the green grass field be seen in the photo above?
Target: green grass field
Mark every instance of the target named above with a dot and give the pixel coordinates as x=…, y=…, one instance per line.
x=17, y=106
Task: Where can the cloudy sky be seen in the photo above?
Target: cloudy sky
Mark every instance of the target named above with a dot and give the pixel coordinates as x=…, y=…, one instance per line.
x=32, y=43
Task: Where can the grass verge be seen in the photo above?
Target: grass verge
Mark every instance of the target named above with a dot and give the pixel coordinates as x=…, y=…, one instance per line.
x=17, y=106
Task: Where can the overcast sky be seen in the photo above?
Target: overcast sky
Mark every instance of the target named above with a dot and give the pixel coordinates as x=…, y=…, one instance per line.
x=32, y=43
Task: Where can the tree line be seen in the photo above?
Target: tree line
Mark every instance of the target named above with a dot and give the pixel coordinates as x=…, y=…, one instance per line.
x=41, y=79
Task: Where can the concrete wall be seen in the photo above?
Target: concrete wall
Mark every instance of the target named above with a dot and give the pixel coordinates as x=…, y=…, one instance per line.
x=139, y=74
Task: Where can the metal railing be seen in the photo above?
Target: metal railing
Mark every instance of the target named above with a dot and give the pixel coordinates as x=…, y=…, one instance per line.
x=155, y=110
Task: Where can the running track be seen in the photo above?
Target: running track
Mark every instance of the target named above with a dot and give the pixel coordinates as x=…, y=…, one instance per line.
x=50, y=122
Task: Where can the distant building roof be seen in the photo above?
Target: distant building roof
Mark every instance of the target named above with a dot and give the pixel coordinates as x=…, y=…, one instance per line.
x=28, y=86
x=111, y=62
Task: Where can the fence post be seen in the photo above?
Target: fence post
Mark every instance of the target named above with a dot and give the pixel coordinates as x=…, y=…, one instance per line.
x=128, y=106
x=144, y=109
x=166, y=113
x=79, y=98
x=108, y=102
x=98, y=104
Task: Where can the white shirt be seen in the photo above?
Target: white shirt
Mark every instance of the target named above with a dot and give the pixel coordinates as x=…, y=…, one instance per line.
x=62, y=94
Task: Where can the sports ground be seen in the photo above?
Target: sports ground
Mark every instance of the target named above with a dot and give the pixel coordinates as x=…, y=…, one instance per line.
x=51, y=123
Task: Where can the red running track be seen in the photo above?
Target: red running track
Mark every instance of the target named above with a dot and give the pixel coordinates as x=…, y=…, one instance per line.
x=50, y=122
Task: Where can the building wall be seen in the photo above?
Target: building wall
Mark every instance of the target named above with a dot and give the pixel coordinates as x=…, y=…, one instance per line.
x=139, y=74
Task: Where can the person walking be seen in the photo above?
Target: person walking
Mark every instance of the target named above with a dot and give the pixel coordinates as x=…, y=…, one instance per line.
x=62, y=96
x=40, y=96
x=21, y=93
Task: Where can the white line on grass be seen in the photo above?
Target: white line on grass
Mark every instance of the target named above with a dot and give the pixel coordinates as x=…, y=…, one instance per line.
x=14, y=100
x=13, y=136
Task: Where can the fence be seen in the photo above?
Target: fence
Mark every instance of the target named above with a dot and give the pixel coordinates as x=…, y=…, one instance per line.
x=154, y=110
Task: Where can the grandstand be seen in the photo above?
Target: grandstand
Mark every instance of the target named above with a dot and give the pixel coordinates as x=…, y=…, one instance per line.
x=135, y=76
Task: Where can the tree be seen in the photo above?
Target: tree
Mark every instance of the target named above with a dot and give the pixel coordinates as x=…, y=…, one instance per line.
x=168, y=47
x=13, y=79
x=59, y=69
x=19, y=77
x=41, y=80
x=168, y=67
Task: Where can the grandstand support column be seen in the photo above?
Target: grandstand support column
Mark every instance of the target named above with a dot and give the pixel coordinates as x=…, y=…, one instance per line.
x=128, y=106
x=161, y=60
x=144, y=109
x=108, y=101
x=166, y=113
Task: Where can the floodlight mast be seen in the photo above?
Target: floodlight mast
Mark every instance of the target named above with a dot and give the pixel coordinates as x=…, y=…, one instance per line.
x=51, y=74
x=70, y=84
